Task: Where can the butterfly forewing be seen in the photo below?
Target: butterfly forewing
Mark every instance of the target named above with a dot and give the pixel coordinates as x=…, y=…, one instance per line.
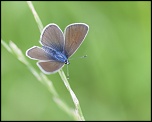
x=50, y=66
x=37, y=53
x=74, y=36
x=52, y=36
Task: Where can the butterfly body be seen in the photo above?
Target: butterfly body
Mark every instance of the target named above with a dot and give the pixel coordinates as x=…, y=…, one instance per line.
x=55, y=54
x=57, y=46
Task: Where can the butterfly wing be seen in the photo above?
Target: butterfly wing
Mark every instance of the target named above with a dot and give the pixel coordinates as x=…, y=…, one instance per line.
x=74, y=36
x=50, y=66
x=37, y=53
x=52, y=36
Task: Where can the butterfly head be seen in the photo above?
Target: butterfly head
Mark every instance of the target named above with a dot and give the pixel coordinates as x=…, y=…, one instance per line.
x=67, y=62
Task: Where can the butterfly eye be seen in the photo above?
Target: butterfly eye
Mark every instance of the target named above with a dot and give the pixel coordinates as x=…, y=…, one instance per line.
x=67, y=62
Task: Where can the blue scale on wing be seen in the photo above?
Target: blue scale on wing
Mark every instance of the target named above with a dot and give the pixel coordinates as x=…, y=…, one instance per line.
x=55, y=55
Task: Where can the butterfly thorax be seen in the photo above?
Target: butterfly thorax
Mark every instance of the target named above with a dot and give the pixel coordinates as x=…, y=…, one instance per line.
x=55, y=55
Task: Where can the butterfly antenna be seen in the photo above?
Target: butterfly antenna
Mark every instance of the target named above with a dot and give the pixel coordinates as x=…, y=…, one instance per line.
x=83, y=56
x=78, y=57
x=68, y=76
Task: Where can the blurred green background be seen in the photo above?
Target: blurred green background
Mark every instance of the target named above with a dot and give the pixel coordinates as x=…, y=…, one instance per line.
x=112, y=83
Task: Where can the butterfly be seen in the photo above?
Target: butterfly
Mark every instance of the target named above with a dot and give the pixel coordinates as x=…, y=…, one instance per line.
x=57, y=47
